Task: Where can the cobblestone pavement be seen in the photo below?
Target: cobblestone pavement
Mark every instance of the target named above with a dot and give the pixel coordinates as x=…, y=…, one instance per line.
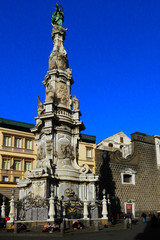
x=138, y=232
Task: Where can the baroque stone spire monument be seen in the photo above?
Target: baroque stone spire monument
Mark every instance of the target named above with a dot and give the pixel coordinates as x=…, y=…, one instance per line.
x=57, y=132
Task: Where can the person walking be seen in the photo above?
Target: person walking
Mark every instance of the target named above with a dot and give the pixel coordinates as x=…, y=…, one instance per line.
x=130, y=222
x=144, y=217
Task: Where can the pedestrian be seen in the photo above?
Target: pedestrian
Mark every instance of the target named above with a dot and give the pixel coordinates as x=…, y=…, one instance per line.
x=144, y=217
x=55, y=227
x=21, y=227
x=130, y=222
x=11, y=227
x=47, y=227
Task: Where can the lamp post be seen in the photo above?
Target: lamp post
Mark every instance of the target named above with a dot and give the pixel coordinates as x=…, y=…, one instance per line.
x=104, y=206
x=12, y=208
x=3, y=215
x=51, y=204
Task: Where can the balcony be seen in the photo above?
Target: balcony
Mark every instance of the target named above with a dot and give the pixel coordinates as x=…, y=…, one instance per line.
x=14, y=149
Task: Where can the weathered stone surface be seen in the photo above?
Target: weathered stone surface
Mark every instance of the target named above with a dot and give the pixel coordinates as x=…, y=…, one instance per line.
x=57, y=133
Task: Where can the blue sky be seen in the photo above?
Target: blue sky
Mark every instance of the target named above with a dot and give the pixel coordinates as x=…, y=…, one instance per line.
x=113, y=49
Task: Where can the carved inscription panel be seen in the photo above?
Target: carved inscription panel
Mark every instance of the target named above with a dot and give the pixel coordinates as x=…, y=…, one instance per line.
x=39, y=189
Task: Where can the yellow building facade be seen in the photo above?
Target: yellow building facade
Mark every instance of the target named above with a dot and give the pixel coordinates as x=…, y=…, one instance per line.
x=17, y=153
x=86, y=151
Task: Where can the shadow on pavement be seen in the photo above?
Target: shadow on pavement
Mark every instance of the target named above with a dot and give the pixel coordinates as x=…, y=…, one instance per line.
x=151, y=231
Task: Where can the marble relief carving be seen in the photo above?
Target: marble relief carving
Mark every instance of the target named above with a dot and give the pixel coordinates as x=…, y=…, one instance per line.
x=69, y=192
x=39, y=188
x=67, y=151
x=41, y=152
x=49, y=93
x=62, y=94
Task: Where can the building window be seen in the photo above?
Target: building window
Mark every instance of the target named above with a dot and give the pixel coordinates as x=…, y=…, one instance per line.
x=18, y=142
x=6, y=164
x=5, y=179
x=28, y=144
x=121, y=139
x=128, y=176
x=121, y=146
x=17, y=165
x=91, y=167
x=7, y=141
x=28, y=166
x=110, y=145
x=89, y=153
x=16, y=179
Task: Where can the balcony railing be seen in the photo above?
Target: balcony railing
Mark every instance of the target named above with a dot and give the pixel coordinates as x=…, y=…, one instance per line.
x=14, y=149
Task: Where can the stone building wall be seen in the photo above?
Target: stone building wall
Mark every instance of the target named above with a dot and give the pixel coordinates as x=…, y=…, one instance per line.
x=145, y=193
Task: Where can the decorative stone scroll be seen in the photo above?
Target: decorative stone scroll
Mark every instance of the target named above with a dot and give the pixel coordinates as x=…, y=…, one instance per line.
x=84, y=169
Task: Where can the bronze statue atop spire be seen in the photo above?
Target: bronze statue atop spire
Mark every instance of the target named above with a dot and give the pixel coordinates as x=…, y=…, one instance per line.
x=58, y=16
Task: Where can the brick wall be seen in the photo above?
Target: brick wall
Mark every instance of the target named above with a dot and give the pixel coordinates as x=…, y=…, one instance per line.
x=146, y=192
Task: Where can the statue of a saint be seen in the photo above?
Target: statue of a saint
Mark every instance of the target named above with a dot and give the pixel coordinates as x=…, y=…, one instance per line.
x=57, y=16
x=39, y=107
x=75, y=103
